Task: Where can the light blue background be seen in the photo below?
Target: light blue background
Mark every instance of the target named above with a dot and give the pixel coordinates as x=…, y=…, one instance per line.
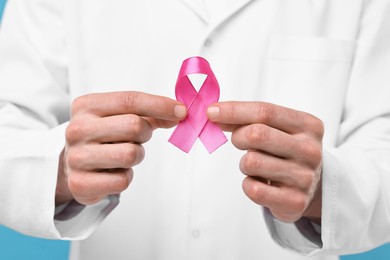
x=2, y=3
x=14, y=246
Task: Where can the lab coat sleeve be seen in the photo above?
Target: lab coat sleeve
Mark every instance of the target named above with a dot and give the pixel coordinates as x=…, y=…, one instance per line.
x=356, y=172
x=34, y=105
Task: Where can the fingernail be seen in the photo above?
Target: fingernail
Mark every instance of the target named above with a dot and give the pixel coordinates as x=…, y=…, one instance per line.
x=180, y=111
x=213, y=112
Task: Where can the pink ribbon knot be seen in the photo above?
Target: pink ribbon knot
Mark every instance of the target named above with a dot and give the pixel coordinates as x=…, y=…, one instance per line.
x=196, y=124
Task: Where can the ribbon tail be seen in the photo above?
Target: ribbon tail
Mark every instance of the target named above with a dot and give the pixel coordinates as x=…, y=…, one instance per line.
x=184, y=136
x=212, y=137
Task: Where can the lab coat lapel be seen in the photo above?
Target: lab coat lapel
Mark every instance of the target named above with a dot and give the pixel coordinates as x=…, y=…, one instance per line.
x=198, y=7
x=239, y=6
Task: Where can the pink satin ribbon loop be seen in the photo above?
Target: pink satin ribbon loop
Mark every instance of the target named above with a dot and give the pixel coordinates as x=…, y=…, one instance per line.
x=196, y=123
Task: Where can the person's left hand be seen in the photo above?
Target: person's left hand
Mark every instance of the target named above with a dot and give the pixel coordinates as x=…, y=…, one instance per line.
x=283, y=162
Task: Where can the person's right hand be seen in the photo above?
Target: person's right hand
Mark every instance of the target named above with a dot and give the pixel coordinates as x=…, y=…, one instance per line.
x=103, y=142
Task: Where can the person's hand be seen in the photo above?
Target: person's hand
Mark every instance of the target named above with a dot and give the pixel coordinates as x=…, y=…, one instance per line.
x=103, y=142
x=283, y=162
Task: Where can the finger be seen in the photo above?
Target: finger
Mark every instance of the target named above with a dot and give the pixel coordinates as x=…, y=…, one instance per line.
x=290, y=204
x=159, y=123
x=264, y=138
x=105, y=156
x=243, y=113
x=228, y=127
x=261, y=193
x=120, y=128
x=281, y=172
x=300, y=148
x=90, y=187
x=124, y=128
x=119, y=103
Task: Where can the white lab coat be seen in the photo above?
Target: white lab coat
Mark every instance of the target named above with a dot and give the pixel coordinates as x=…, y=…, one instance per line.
x=330, y=58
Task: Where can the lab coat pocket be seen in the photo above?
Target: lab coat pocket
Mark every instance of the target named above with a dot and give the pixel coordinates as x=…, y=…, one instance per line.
x=309, y=74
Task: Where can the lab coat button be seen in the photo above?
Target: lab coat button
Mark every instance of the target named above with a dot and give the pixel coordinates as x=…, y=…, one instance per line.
x=208, y=43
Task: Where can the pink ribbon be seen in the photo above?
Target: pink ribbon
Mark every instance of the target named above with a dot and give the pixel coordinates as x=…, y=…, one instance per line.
x=196, y=123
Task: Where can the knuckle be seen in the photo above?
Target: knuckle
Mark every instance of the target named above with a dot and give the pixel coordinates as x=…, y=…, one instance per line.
x=320, y=128
x=76, y=184
x=128, y=100
x=292, y=206
x=299, y=204
x=136, y=126
x=74, y=158
x=236, y=139
x=124, y=180
x=250, y=162
x=316, y=154
x=254, y=191
x=312, y=151
x=76, y=105
x=71, y=135
x=126, y=156
x=307, y=180
x=79, y=104
x=137, y=129
x=265, y=112
x=257, y=134
x=129, y=154
x=140, y=154
x=292, y=209
x=316, y=125
x=75, y=131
